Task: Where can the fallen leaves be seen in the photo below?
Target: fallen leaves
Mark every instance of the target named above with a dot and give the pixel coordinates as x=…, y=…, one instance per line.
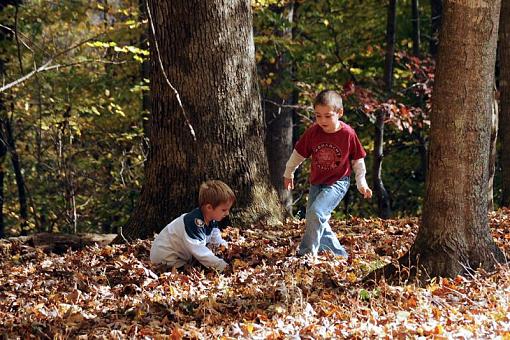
x=115, y=292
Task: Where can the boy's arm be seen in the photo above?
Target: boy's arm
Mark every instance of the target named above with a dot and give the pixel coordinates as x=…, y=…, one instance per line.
x=360, y=171
x=293, y=163
x=204, y=255
x=216, y=238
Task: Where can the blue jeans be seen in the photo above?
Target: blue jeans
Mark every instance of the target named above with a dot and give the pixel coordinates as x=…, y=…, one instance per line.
x=322, y=200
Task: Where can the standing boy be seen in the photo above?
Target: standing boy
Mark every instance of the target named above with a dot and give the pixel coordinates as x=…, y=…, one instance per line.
x=185, y=238
x=335, y=150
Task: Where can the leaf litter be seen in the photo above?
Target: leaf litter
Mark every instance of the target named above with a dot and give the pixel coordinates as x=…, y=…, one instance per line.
x=114, y=292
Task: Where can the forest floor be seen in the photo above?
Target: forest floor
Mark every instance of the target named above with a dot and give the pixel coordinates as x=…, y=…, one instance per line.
x=114, y=292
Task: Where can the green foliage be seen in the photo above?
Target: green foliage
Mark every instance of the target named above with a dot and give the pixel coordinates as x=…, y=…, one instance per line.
x=340, y=45
x=78, y=126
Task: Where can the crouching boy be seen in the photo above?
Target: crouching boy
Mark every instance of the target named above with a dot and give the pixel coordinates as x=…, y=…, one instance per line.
x=186, y=237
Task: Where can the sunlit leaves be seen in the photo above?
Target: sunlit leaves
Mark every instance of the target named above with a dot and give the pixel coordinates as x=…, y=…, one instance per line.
x=269, y=293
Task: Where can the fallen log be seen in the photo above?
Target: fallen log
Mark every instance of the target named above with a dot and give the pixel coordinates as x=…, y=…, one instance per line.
x=60, y=243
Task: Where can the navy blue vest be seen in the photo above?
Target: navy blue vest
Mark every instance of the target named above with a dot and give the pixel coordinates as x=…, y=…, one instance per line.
x=195, y=226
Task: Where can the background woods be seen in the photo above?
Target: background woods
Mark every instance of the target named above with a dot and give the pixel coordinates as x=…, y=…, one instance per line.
x=113, y=111
x=76, y=130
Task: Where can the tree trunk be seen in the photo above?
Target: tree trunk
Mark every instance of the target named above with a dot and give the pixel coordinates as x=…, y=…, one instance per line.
x=3, y=153
x=7, y=137
x=3, y=113
x=145, y=69
x=20, y=180
x=279, y=145
x=207, y=51
x=383, y=198
x=2, y=176
x=416, y=27
x=278, y=115
x=454, y=237
x=436, y=7
x=492, y=151
x=504, y=87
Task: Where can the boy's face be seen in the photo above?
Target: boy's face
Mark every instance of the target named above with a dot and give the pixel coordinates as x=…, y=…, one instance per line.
x=327, y=118
x=220, y=212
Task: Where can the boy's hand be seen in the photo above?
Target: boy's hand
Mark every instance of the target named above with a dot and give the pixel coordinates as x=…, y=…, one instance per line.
x=366, y=192
x=288, y=183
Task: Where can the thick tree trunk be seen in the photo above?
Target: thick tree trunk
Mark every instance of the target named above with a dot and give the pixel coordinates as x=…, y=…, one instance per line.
x=455, y=233
x=383, y=198
x=504, y=87
x=436, y=7
x=454, y=236
x=207, y=52
x=416, y=27
x=279, y=115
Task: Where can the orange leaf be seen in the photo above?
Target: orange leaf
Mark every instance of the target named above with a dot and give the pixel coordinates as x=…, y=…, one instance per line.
x=411, y=302
x=177, y=334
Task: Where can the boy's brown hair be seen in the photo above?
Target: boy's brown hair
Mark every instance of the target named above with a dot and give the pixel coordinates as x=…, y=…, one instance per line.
x=215, y=192
x=330, y=98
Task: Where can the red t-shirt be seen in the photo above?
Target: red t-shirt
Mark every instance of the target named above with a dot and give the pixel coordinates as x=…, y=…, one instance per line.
x=331, y=152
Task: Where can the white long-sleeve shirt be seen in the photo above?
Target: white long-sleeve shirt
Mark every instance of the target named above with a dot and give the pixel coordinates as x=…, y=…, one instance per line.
x=357, y=165
x=186, y=238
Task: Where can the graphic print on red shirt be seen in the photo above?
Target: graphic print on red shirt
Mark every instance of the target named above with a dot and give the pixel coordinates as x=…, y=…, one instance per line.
x=327, y=156
x=331, y=152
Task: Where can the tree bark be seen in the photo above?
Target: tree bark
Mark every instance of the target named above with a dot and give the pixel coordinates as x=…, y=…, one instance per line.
x=207, y=51
x=383, y=198
x=454, y=237
x=504, y=87
x=436, y=7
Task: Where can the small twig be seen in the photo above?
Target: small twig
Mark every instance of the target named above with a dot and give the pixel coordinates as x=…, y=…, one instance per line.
x=461, y=295
x=286, y=106
x=25, y=37
x=297, y=199
x=123, y=164
x=25, y=77
x=46, y=66
x=122, y=235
